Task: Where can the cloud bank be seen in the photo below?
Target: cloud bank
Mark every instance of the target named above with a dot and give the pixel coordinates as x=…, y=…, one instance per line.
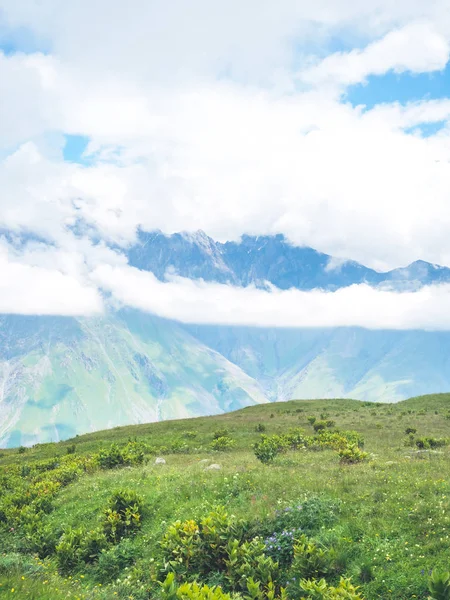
x=229, y=117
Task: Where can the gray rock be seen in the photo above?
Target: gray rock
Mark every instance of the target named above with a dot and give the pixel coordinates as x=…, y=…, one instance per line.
x=213, y=467
x=160, y=461
x=204, y=460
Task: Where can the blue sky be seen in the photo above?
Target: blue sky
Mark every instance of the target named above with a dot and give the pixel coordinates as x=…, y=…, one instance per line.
x=403, y=88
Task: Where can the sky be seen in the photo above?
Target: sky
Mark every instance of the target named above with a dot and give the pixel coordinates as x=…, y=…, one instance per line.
x=327, y=121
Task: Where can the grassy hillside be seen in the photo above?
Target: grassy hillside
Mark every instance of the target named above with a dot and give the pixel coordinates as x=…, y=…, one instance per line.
x=383, y=521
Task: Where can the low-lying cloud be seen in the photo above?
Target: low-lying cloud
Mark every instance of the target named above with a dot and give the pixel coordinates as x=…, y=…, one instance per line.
x=196, y=301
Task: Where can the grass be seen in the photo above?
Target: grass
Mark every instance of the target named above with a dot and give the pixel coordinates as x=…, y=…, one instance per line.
x=391, y=530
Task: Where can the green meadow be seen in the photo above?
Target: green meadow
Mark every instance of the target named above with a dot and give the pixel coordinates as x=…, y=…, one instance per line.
x=303, y=499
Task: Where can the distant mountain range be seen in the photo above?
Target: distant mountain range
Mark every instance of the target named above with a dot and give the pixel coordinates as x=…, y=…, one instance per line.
x=60, y=376
x=256, y=260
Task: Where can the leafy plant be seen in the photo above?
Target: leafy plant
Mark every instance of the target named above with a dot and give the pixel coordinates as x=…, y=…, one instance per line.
x=439, y=586
x=351, y=454
x=269, y=447
x=123, y=514
x=222, y=444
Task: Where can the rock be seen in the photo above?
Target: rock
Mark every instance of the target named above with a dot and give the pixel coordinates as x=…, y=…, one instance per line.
x=204, y=460
x=213, y=467
x=160, y=461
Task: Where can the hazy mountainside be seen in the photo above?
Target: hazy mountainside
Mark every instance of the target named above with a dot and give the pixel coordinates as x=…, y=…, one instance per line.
x=378, y=365
x=62, y=376
x=266, y=258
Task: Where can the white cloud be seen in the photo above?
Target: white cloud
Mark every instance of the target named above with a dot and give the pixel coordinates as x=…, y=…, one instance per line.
x=195, y=121
x=31, y=290
x=200, y=302
x=417, y=48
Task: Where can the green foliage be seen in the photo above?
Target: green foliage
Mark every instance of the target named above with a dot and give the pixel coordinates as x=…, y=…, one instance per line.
x=439, y=586
x=222, y=444
x=351, y=454
x=112, y=561
x=311, y=560
x=426, y=443
x=268, y=448
x=123, y=515
x=410, y=430
x=220, y=433
x=260, y=428
x=116, y=456
x=247, y=560
x=21, y=450
x=319, y=425
x=170, y=590
x=320, y=590
x=71, y=449
x=77, y=547
x=311, y=420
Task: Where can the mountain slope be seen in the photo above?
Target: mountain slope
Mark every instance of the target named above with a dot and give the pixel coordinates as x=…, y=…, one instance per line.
x=63, y=376
x=370, y=365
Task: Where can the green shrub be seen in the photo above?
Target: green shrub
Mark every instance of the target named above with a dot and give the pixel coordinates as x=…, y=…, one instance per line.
x=248, y=560
x=170, y=590
x=330, y=423
x=260, y=428
x=123, y=515
x=320, y=590
x=439, y=586
x=351, y=454
x=319, y=426
x=21, y=450
x=308, y=515
x=425, y=443
x=280, y=546
x=77, y=547
x=410, y=430
x=269, y=447
x=311, y=420
x=311, y=560
x=130, y=454
x=222, y=444
x=71, y=449
x=113, y=560
x=220, y=433
x=190, y=435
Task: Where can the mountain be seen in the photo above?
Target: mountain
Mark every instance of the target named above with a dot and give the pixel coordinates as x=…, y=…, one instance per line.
x=261, y=259
x=62, y=376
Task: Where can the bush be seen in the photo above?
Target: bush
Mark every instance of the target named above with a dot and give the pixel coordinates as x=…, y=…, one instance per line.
x=351, y=454
x=410, y=430
x=190, y=591
x=311, y=420
x=269, y=447
x=308, y=516
x=320, y=590
x=113, y=560
x=191, y=547
x=123, y=515
x=71, y=449
x=246, y=561
x=425, y=443
x=280, y=546
x=21, y=450
x=130, y=454
x=319, y=426
x=222, y=444
x=220, y=433
x=260, y=428
x=311, y=560
x=439, y=586
x=77, y=547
